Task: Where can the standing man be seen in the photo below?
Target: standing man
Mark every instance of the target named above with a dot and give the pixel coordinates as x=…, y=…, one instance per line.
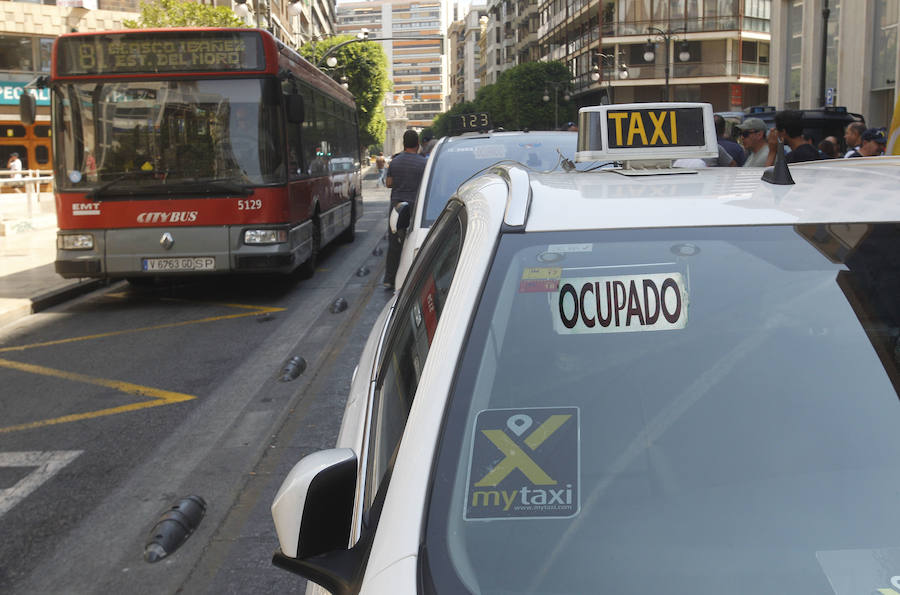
x=379, y=165
x=789, y=129
x=15, y=165
x=853, y=137
x=404, y=175
x=753, y=137
x=872, y=144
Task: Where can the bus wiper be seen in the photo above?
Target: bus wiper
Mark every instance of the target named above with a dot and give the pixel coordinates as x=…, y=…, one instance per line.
x=101, y=189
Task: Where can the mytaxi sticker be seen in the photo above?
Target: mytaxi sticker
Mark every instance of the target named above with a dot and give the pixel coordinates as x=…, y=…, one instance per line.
x=524, y=464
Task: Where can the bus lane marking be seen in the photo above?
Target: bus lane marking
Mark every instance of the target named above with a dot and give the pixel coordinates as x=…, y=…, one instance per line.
x=254, y=311
x=47, y=464
x=159, y=397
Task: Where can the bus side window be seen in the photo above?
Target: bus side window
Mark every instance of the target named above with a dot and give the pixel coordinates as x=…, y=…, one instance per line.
x=296, y=167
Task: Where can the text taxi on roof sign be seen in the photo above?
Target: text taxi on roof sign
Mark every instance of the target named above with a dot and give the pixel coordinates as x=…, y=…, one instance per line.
x=638, y=133
x=603, y=381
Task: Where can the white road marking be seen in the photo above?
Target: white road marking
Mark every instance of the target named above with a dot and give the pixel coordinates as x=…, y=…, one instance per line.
x=47, y=464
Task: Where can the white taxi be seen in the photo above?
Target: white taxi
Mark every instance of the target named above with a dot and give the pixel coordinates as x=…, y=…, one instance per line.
x=628, y=380
x=455, y=159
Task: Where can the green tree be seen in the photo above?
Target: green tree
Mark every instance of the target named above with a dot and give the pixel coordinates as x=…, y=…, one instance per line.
x=364, y=63
x=177, y=13
x=521, y=95
x=515, y=101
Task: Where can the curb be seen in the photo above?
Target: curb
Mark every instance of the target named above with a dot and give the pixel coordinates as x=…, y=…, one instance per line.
x=64, y=294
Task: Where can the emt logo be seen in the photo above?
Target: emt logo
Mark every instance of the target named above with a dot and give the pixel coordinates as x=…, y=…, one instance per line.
x=524, y=464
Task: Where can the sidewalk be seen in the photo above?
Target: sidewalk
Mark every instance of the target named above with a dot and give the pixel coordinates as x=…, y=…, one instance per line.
x=28, y=279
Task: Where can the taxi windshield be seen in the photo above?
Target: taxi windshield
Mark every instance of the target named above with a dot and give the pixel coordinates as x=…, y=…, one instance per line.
x=688, y=411
x=460, y=158
x=125, y=135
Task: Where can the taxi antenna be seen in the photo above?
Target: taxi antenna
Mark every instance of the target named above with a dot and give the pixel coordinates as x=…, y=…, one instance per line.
x=779, y=173
x=566, y=163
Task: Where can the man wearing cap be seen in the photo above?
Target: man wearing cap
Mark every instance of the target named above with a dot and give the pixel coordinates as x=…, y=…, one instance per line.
x=872, y=144
x=404, y=174
x=753, y=137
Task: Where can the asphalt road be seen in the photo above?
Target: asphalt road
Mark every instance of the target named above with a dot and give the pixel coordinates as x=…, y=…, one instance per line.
x=116, y=406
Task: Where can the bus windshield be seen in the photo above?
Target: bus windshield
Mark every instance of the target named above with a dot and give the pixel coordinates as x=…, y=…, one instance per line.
x=132, y=136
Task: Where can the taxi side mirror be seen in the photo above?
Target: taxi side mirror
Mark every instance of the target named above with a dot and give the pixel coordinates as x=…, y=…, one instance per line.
x=313, y=512
x=313, y=508
x=400, y=216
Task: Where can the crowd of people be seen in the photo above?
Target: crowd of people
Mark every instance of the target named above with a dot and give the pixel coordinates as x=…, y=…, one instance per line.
x=758, y=144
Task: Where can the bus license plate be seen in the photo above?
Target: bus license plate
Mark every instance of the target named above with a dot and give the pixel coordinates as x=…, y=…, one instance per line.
x=185, y=263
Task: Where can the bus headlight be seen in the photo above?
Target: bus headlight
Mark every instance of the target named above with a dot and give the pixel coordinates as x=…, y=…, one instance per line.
x=75, y=241
x=265, y=236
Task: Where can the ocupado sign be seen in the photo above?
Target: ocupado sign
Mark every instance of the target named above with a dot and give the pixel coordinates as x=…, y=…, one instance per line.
x=621, y=304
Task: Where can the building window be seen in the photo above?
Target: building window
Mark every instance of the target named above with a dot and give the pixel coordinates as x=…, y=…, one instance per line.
x=16, y=53
x=884, y=46
x=795, y=45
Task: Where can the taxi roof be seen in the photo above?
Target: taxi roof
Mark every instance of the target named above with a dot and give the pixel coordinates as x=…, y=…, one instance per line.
x=855, y=190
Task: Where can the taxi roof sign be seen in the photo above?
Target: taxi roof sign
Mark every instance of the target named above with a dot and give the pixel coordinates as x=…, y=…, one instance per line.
x=646, y=132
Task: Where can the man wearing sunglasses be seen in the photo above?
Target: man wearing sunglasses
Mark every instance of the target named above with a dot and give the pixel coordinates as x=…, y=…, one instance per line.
x=753, y=137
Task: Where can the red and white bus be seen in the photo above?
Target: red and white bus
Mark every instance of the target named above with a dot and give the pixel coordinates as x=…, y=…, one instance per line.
x=196, y=151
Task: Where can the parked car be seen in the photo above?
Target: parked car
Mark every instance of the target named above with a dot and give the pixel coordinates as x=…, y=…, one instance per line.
x=626, y=380
x=346, y=175
x=457, y=158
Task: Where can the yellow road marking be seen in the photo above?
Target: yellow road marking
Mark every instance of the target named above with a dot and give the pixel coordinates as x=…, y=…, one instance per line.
x=160, y=397
x=255, y=310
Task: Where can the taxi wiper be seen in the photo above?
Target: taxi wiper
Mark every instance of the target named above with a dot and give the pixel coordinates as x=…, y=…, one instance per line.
x=101, y=189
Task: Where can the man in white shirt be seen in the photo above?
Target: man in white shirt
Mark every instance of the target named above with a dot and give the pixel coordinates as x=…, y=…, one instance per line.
x=15, y=165
x=853, y=137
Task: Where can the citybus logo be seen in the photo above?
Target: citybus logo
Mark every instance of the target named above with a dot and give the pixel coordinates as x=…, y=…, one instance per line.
x=171, y=217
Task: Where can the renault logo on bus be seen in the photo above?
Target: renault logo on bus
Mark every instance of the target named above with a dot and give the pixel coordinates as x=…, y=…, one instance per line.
x=167, y=241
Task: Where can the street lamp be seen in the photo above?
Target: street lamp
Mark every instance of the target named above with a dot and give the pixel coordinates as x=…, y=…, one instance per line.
x=666, y=36
x=241, y=9
x=546, y=98
x=596, y=75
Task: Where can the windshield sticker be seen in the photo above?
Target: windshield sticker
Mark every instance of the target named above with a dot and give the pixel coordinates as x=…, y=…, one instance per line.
x=75, y=176
x=490, y=152
x=524, y=464
x=622, y=304
x=851, y=572
x=564, y=248
x=540, y=279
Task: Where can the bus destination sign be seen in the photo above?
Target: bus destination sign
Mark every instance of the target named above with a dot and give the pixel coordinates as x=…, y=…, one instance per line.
x=136, y=53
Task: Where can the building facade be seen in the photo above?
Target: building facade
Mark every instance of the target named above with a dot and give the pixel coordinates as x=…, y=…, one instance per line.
x=465, y=56
x=860, y=56
x=417, y=67
x=702, y=50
